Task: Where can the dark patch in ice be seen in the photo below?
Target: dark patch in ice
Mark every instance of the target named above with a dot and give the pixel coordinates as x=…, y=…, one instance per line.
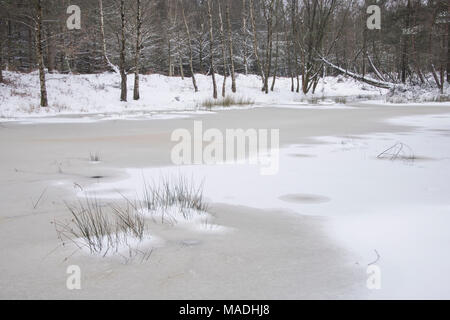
x=97, y=177
x=305, y=198
x=300, y=155
x=190, y=243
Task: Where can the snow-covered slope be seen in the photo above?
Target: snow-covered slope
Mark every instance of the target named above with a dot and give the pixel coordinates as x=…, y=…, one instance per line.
x=99, y=93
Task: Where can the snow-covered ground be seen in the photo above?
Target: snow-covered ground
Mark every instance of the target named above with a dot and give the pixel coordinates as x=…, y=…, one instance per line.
x=396, y=207
x=99, y=94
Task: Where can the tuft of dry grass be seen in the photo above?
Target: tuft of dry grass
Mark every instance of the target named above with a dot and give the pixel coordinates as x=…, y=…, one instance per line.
x=228, y=101
x=18, y=93
x=104, y=228
x=94, y=157
x=172, y=192
x=101, y=228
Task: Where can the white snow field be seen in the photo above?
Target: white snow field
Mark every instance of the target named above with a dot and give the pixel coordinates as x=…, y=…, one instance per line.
x=99, y=94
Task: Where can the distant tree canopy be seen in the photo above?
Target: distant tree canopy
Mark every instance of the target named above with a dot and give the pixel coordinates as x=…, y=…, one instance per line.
x=286, y=38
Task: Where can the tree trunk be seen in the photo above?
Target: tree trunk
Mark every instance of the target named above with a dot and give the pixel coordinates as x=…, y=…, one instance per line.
x=8, y=44
x=404, y=62
x=1, y=51
x=224, y=49
x=50, y=51
x=448, y=43
x=180, y=65
x=289, y=58
x=435, y=77
x=244, y=34
x=295, y=41
x=364, y=58
x=123, y=74
x=443, y=63
x=169, y=45
x=211, y=46
x=200, y=49
x=268, y=63
x=103, y=39
x=137, y=58
x=230, y=48
x=30, y=50
x=191, y=64
x=277, y=50
x=39, y=54
x=255, y=41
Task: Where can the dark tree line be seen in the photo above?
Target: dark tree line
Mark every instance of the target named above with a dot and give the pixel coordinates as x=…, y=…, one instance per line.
x=301, y=39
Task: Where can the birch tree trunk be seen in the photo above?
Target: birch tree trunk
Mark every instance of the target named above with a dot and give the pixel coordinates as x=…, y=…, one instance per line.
x=51, y=54
x=289, y=58
x=137, y=58
x=211, y=46
x=191, y=63
x=1, y=51
x=255, y=41
x=295, y=41
x=224, y=49
x=123, y=74
x=244, y=34
x=180, y=56
x=169, y=45
x=180, y=65
x=30, y=50
x=268, y=63
x=230, y=48
x=404, y=62
x=8, y=44
x=103, y=39
x=39, y=54
x=448, y=43
x=277, y=50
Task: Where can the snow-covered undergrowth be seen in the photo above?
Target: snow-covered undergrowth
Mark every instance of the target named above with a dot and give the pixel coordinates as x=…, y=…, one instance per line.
x=100, y=93
x=401, y=94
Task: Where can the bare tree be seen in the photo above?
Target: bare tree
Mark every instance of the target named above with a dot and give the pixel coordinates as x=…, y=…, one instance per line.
x=255, y=41
x=211, y=49
x=137, y=58
x=295, y=40
x=268, y=14
x=39, y=53
x=448, y=41
x=405, y=54
x=230, y=48
x=123, y=73
x=103, y=38
x=191, y=64
x=277, y=50
x=244, y=34
x=224, y=49
x=172, y=18
x=1, y=50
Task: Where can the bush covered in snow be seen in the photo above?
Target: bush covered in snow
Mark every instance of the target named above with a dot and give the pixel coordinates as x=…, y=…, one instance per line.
x=417, y=94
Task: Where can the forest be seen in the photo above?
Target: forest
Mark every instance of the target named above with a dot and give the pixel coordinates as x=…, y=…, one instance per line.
x=303, y=40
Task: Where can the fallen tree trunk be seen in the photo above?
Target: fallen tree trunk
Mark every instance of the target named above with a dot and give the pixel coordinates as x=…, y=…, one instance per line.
x=372, y=82
x=378, y=73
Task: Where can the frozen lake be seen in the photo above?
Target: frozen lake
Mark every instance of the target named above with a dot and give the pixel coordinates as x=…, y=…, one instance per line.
x=339, y=203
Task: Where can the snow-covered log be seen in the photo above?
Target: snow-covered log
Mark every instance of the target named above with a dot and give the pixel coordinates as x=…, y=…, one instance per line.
x=372, y=82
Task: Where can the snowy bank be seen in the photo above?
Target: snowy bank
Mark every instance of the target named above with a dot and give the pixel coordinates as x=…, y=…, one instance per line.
x=99, y=93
